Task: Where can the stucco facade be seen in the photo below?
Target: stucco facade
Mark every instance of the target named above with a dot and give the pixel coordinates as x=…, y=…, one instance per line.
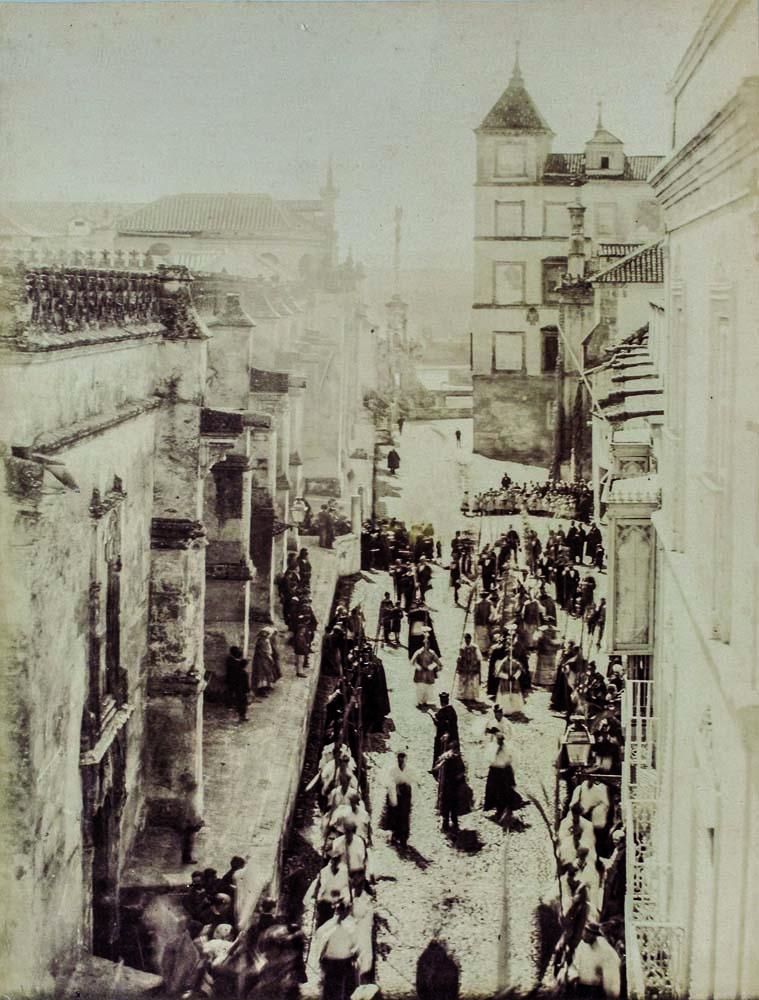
x=521, y=245
x=691, y=787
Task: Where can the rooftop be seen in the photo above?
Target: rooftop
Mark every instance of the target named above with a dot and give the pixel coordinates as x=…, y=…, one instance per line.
x=566, y=168
x=238, y=214
x=644, y=265
x=515, y=109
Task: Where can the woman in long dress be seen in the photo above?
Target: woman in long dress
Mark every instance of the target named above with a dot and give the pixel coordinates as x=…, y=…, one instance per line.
x=397, y=817
x=265, y=670
x=500, y=788
x=427, y=665
x=468, y=671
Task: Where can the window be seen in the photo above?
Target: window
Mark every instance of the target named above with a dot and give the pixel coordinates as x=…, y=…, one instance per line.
x=604, y=163
x=606, y=220
x=550, y=349
x=509, y=218
x=554, y=269
x=556, y=221
x=113, y=630
x=508, y=283
x=508, y=352
x=510, y=159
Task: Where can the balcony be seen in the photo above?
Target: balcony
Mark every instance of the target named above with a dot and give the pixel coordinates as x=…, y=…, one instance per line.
x=653, y=944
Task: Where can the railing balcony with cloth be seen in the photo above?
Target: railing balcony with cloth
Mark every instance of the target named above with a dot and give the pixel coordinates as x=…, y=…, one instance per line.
x=653, y=945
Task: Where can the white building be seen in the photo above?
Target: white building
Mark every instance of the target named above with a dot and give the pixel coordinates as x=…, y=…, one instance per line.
x=522, y=194
x=684, y=579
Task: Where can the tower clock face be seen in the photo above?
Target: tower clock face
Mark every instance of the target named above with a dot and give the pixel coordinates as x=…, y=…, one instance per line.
x=510, y=159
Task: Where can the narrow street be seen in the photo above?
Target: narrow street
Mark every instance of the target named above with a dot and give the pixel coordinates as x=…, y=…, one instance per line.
x=482, y=901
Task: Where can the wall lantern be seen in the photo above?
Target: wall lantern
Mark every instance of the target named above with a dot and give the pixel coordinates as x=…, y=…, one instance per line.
x=577, y=742
x=298, y=510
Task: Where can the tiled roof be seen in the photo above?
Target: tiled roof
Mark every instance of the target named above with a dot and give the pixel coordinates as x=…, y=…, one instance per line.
x=52, y=218
x=565, y=166
x=515, y=109
x=617, y=249
x=643, y=266
x=244, y=214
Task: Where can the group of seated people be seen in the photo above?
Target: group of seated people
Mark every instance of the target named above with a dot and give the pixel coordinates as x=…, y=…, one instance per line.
x=553, y=498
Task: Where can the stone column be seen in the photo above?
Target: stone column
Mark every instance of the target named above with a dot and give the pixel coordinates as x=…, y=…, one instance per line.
x=262, y=517
x=228, y=566
x=356, y=514
x=174, y=724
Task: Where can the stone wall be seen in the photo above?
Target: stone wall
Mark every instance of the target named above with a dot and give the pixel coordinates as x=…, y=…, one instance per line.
x=54, y=554
x=511, y=417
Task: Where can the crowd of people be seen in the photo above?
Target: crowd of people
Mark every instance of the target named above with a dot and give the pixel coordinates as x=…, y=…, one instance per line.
x=552, y=498
x=385, y=542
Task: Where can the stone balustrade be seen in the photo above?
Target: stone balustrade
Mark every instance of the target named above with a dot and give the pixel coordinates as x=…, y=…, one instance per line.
x=44, y=256
x=61, y=299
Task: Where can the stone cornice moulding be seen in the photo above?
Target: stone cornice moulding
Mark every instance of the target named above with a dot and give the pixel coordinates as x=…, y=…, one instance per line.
x=177, y=533
x=180, y=683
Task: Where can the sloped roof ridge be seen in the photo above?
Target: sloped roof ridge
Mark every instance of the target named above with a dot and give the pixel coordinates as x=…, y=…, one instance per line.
x=621, y=264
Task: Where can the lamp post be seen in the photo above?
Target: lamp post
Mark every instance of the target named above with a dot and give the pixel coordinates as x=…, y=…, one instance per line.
x=298, y=510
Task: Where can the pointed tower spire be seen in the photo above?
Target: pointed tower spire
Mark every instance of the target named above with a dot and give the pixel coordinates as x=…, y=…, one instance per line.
x=516, y=73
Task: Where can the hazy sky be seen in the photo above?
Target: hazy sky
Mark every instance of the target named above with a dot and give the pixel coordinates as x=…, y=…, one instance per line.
x=132, y=101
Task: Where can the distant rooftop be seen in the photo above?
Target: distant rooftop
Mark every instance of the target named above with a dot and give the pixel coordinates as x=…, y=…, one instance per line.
x=240, y=214
x=564, y=168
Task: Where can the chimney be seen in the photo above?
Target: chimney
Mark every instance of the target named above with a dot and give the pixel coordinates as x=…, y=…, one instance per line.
x=576, y=255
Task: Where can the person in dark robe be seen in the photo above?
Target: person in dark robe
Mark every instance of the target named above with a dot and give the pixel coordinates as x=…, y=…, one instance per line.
x=455, y=579
x=571, y=582
x=592, y=541
x=393, y=461
x=489, y=569
x=561, y=693
x=408, y=586
x=385, y=617
x=423, y=576
x=446, y=724
x=375, y=701
x=396, y=622
x=580, y=541
x=326, y=525
x=572, y=540
x=397, y=572
x=419, y=625
x=237, y=682
x=451, y=778
x=548, y=606
x=304, y=569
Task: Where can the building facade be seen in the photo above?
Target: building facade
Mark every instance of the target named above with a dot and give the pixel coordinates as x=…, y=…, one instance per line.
x=523, y=191
x=683, y=566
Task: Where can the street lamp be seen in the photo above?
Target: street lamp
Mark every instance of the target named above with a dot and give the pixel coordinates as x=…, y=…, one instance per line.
x=298, y=510
x=577, y=742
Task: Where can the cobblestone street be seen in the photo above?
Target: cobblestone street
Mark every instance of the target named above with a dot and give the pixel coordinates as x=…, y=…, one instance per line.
x=480, y=902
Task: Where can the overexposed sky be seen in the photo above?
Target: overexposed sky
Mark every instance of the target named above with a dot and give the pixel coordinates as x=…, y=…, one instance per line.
x=133, y=101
